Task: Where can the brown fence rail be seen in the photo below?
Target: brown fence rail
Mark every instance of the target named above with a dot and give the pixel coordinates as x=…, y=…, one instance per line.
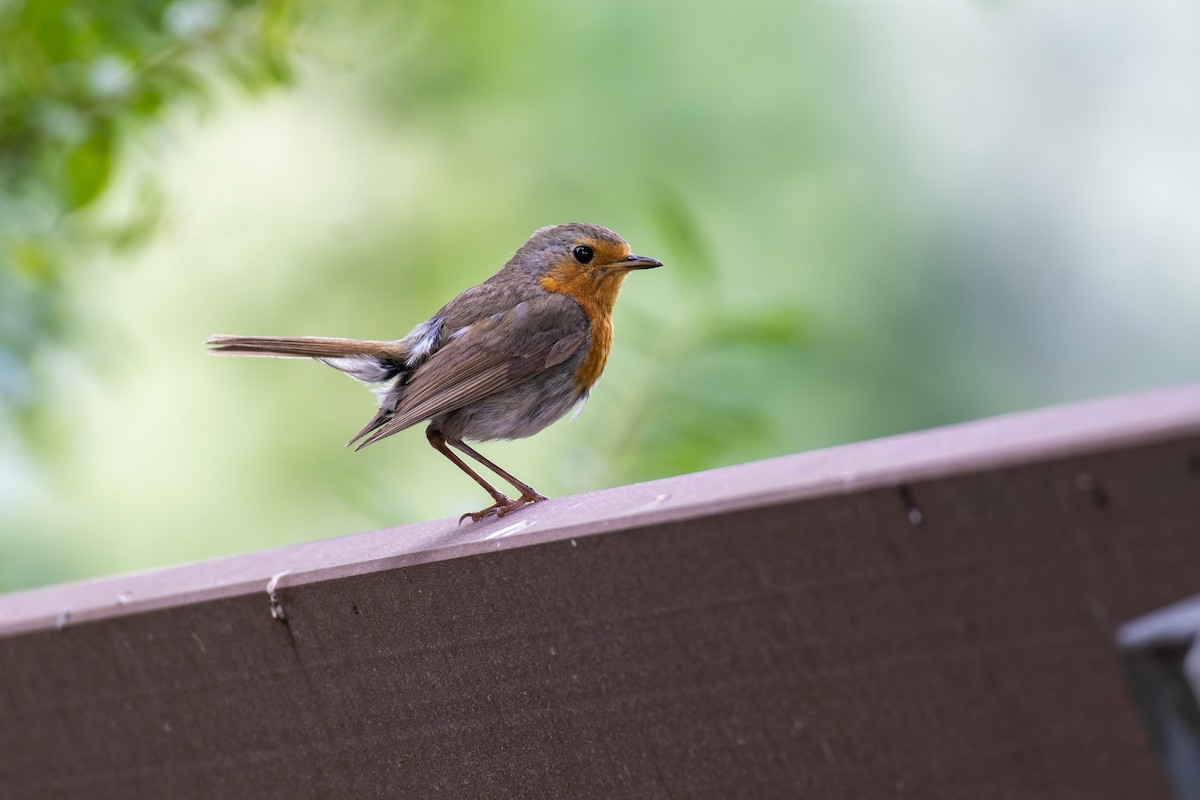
x=927, y=616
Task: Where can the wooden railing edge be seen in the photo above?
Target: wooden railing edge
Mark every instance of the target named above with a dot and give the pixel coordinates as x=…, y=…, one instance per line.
x=990, y=443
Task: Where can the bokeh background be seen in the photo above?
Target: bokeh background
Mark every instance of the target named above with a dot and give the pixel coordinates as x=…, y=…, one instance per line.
x=877, y=217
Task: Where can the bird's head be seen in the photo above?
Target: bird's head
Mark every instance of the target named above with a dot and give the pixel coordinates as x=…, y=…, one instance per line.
x=586, y=261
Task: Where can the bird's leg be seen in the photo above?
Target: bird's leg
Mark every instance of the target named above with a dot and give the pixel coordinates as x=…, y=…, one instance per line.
x=528, y=493
x=438, y=441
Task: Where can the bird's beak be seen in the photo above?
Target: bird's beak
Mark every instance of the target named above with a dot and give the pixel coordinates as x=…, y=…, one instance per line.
x=639, y=262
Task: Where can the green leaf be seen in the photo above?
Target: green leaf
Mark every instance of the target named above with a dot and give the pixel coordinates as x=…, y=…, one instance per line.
x=32, y=260
x=88, y=167
x=678, y=227
x=767, y=328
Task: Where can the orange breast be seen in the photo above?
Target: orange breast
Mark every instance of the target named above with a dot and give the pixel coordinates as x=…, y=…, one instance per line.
x=597, y=296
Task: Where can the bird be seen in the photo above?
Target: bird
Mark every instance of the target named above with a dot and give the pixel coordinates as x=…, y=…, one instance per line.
x=503, y=360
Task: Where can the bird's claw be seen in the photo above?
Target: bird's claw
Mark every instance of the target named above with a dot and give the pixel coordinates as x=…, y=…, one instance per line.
x=494, y=508
x=503, y=508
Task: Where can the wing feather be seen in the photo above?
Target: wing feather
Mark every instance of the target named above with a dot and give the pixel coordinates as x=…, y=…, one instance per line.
x=488, y=357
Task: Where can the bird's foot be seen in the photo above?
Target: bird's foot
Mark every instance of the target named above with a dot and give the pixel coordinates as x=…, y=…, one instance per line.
x=504, y=507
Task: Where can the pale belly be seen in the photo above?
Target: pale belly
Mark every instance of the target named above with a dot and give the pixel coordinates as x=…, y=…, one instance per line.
x=517, y=412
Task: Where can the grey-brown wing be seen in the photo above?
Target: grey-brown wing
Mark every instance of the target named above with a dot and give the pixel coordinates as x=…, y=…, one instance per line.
x=490, y=356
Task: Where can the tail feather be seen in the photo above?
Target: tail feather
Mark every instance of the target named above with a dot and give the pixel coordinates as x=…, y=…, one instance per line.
x=307, y=347
x=367, y=361
x=381, y=417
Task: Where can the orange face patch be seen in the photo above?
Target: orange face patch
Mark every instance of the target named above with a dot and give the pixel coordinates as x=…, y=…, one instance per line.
x=595, y=286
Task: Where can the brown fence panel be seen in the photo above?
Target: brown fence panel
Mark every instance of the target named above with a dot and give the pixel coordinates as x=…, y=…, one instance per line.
x=926, y=616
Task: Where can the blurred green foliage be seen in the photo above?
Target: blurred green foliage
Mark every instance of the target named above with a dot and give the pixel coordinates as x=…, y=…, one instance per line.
x=865, y=230
x=79, y=81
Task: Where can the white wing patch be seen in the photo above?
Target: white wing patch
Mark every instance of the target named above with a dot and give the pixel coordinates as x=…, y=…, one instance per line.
x=362, y=368
x=424, y=340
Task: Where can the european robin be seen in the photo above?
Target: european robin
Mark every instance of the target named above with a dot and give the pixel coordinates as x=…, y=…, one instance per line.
x=502, y=360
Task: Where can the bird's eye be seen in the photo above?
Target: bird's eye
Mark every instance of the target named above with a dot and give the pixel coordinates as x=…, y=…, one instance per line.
x=583, y=254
